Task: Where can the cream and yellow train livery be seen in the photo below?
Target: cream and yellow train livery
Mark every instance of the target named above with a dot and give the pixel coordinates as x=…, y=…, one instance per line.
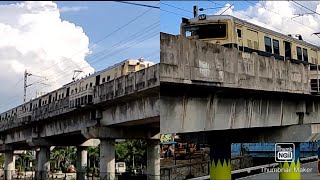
x=74, y=94
x=233, y=32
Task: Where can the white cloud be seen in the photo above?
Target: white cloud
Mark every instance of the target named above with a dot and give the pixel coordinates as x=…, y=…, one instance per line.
x=278, y=16
x=73, y=9
x=34, y=37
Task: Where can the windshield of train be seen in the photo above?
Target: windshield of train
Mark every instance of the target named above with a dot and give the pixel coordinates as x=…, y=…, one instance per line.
x=208, y=31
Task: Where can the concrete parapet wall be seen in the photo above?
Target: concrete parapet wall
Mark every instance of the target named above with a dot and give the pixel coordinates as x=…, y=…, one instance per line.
x=197, y=62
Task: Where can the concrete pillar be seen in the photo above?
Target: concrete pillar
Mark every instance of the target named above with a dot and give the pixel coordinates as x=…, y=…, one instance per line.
x=153, y=160
x=81, y=164
x=9, y=164
x=107, y=159
x=291, y=169
x=43, y=163
x=220, y=157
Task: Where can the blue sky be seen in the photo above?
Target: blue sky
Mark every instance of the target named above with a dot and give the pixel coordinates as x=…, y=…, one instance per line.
x=98, y=19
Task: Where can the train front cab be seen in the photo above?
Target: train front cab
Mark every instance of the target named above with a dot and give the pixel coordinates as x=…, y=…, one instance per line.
x=203, y=29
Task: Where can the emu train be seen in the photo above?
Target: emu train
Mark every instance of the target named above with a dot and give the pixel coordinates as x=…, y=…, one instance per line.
x=74, y=94
x=233, y=32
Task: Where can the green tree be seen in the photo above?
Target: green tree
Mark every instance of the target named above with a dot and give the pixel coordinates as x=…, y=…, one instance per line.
x=94, y=154
x=133, y=152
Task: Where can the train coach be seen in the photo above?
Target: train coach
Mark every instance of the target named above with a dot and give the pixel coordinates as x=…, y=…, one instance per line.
x=75, y=94
x=230, y=31
x=233, y=32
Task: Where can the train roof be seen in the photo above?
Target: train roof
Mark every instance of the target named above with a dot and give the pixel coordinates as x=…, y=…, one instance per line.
x=244, y=22
x=107, y=69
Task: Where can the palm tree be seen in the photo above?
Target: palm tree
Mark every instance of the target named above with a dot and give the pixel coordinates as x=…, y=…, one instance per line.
x=57, y=155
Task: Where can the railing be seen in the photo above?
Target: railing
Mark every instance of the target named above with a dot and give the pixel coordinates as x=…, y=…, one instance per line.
x=185, y=171
x=131, y=83
x=124, y=85
x=31, y=175
x=256, y=169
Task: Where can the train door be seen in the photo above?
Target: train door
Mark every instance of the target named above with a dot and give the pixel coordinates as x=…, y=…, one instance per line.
x=287, y=50
x=239, y=38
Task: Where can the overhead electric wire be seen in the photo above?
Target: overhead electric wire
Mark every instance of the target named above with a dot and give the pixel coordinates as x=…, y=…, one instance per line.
x=99, y=41
x=176, y=7
x=112, y=53
x=173, y=13
x=280, y=30
x=105, y=37
x=145, y=38
x=282, y=15
x=306, y=8
x=136, y=4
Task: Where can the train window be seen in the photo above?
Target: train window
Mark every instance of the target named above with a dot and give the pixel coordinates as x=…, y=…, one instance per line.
x=131, y=68
x=142, y=66
x=239, y=33
x=249, y=43
x=108, y=78
x=103, y=80
x=305, y=54
x=299, y=53
x=212, y=31
x=276, y=49
x=267, y=43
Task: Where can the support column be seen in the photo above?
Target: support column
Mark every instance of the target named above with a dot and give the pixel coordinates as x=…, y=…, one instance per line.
x=43, y=163
x=9, y=165
x=81, y=164
x=107, y=159
x=220, y=157
x=290, y=170
x=153, y=159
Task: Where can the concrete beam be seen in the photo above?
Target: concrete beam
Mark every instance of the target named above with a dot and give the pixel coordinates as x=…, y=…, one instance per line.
x=121, y=133
x=294, y=133
x=39, y=142
x=91, y=142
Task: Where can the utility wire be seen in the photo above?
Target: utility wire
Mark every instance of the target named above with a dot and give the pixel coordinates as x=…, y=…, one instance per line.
x=280, y=30
x=111, y=48
x=144, y=5
x=116, y=52
x=176, y=7
x=96, y=42
x=306, y=7
x=173, y=12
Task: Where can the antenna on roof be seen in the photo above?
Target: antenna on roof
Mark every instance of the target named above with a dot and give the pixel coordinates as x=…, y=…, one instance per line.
x=195, y=11
x=141, y=59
